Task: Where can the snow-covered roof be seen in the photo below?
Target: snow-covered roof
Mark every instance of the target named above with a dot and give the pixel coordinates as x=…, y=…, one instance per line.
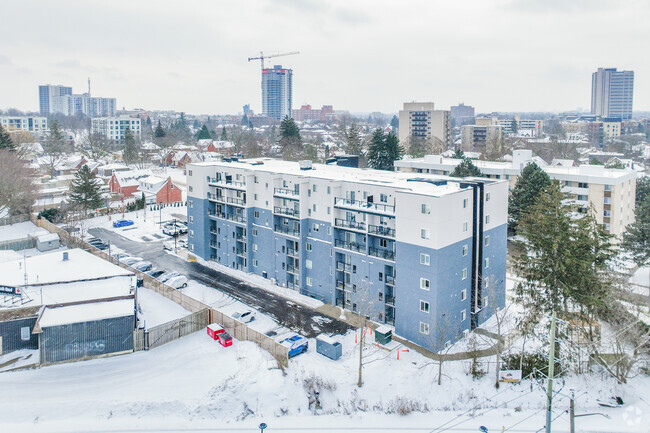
x=86, y=312
x=7, y=255
x=50, y=268
x=14, y=232
x=563, y=162
x=131, y=178
x=48, y=237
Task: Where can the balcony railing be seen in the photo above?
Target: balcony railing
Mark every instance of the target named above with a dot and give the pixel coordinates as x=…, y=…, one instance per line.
x=285, y=192
x=216, y=214
x=216, y=197
x=213, y=231
x=352, y=246
x=226, y=184
x=293, y=286
x=292, y=269
x=292, y=253
x=240, y=237
x=390, y=280
x=213, y=244
x=343, y=267
x=382, y=254
x=236, y=201
x=344, y=286
x=287, y=231
x=381, y=231
x=363, y=205
x=241, y=252
x=236, y=218
x=286, y=211
x=339, y=222
x=390, y=300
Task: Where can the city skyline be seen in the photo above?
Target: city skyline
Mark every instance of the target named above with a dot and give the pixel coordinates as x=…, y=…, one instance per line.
x=359, y=57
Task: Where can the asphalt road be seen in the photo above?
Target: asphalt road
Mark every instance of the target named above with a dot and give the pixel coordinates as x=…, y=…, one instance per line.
x=288, y=314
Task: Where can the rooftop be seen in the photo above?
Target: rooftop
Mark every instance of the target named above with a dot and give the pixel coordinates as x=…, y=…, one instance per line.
x=85, y=312
x=19, y=231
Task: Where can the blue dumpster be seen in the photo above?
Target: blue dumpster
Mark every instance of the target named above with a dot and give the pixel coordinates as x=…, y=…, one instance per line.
x=327, y=346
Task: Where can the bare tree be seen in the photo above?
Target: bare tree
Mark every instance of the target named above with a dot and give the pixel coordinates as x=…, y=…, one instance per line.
x=16, y=184
x=94, y=145
x=444, y=333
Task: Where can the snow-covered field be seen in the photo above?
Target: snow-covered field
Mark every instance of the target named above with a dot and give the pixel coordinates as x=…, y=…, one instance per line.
x=195, y=383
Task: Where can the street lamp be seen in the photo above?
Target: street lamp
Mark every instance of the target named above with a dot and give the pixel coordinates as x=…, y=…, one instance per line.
x=262, y=427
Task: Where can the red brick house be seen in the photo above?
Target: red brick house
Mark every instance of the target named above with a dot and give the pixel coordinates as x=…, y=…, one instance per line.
x=159, y=190
x=126, y=183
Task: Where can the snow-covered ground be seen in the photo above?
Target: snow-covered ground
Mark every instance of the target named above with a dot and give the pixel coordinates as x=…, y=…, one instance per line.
x=195, y=383
x=156, y=309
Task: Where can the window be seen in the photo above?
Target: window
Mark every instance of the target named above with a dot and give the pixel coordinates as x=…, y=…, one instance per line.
x=255, y=263
x=308, y=246
x=315, y=227
x=189, y=173
x=463, y=294
x=383, y=198
x=191, y=219
x=424, y=233
x=464, y=250
x=383, y=243
x=315, y=208
x=608, y=187
x=583, y=185
x=329, y=230
x=308, y=281
x=608, y=200
x=254, y=232
x=464, y=203
x=24, y=333
x=485, y=302
x=486, y=282
x=425, y=284
x=190, y=188
x=487, y=241
x=256, y=214
x=329, y=190
x=308, y=264
x=329, y=210
x=487, y=262
x=426, y=209
x=254, y=196
x=487, y=196
x=191, y=233
x=191, y=247
x=425, y=259
x=465, y=225
x=464, y=273
x=424, y=306
x=254, y=247
x=315, y=188
x=463, y=315
x=424, y=328
x=190, y=203
x=487, y=219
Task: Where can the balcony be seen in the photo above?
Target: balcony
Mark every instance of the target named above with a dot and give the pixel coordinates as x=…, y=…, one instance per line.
x=390, y=280
x=215, y=214
x=213, y=244
x=287, y=231
x=346, y=224
x=236, y=201
x=382, y=254
x=390, y=300
x=240, y=237
x=292, y=253
x=352, y=246
x=240, y=252
x=346, y=287
x=381, y=231
x=343, y=267
x=236, y=218
x=226, y=184
x=216, y=197
x=293, y=286
x=292, y=269
x=293, y=213
x=286, y=193
x=363, y=205
x=213, y=231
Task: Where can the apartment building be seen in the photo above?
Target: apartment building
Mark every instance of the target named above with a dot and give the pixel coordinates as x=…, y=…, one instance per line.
x=612, y=93
x=114, y=128
x=420, y=252
x=422, y=121
x=36, y=125
x=610, y=191
x=480, y=137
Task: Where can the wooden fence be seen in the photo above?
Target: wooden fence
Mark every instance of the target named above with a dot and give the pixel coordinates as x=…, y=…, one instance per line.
x=170, y=331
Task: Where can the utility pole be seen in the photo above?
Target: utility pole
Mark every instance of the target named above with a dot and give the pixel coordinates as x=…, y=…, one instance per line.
x=551, y=372
x=572, y=414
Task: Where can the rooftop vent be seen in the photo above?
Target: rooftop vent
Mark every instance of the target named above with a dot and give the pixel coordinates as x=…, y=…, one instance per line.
x=305, y=164
x=65, y=256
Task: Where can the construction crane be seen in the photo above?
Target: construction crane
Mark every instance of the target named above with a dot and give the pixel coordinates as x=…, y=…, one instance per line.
x=262, y=57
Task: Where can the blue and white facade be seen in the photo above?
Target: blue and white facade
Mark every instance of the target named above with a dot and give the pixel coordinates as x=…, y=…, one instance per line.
x=423, y=253
x=277, y=92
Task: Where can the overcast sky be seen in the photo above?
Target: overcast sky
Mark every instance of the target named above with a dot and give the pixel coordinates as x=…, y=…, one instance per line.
x=361, y=55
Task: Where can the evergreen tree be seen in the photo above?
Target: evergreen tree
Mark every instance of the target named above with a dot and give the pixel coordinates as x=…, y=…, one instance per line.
x=642, y=189
x=532, y=181
x=459, y=154
x=466, y=169
x=636, y=240
x=5, y=140
x=394, y=123
x=131, y=153
x=53, y=146
x=290, y=140
x=564, y=258
x=204, y=134
x=84, y=190
x=159, y=132
x=514, y=126
x=384, y=150
x=224, y=136
x=353, y=145
x=148, y=120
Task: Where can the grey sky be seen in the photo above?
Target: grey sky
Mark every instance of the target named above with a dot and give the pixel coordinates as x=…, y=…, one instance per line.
x=362, y=55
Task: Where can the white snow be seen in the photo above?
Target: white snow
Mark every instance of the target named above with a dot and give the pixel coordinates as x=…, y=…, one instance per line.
x=19, y=231
x=56, y=316
x=156, y=309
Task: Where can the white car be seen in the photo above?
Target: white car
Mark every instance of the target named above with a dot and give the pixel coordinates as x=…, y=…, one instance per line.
x=167, y=275
x=244, y=316
x=179, y=282
x=130, y=260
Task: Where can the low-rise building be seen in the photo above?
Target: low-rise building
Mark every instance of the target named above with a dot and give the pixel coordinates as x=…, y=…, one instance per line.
x=36, y=125
x=114, y=128
x=159, y=190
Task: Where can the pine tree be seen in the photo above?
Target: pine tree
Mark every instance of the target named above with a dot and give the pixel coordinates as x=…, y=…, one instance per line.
x=384, y=150
x=459, y=154
x=564, y=258
x=394, y=123
x=131, y=153
x=5, y=140
x=53, y=146
x=224, y=136
x=204, y=134
x=636, y=240
x=148, y=120
x=353, y=145
x=532, y=181
x=642, y=189
x=290, y=140
x=159, y=131
x=466, y=169
x=84, y=190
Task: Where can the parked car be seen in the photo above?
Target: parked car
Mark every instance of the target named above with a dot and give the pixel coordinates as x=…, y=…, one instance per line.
x=120, y=256
x=177, y=282
x=170, y=231
x=143, y=266
x=122, y=223
x=296, y=344
x=130, y=261
x=182, y=243
x=93, y=240
x=167, y=275
x=101, y=246
x=155, y=272
x=244, y=316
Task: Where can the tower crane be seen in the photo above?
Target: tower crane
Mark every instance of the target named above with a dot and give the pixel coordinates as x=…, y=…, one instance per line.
x=262, y=57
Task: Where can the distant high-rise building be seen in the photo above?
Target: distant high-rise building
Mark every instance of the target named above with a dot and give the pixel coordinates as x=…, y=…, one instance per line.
x=277, y=92
x=611, y=93
x=60, y=99
x=420, y=120
x=462, y=113
x=49, y=98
